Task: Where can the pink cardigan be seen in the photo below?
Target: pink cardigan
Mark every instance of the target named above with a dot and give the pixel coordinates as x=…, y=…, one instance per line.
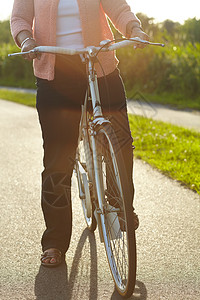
x=39, y=16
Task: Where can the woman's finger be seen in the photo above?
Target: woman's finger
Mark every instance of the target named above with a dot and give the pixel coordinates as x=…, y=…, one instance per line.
x=137, y=32
x=29, y=45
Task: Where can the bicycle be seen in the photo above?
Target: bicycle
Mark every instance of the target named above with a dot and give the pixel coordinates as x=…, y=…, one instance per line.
x=99, y=168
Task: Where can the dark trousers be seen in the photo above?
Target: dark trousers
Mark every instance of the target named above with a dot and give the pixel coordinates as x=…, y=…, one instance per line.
x=59, y=109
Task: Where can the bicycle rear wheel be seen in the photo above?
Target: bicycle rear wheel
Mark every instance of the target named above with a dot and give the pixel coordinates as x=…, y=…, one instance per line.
x=117, y=219
x=84, y=170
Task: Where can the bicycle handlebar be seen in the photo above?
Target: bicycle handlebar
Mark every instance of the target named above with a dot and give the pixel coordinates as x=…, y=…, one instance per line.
x=91, y=50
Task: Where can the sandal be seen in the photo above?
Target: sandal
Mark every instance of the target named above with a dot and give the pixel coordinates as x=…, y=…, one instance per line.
x=50, y=254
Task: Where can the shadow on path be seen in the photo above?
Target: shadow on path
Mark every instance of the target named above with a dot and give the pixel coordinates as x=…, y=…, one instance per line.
x=140, y=293
x=51, y=284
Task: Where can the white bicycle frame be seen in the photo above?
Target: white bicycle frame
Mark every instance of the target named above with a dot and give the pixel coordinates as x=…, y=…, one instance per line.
x=98, y=119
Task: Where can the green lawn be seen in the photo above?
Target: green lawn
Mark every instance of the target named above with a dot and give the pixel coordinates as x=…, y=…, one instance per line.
x=173, y=150
x=18, y=97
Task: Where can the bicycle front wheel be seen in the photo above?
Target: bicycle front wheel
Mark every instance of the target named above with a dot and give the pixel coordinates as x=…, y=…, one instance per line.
x=117, y=216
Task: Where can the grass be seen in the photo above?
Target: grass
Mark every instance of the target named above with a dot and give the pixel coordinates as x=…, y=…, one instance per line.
x=18, y=97
x=173, y=150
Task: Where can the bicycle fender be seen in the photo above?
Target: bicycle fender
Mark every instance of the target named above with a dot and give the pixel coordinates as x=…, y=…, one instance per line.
x=100, y=121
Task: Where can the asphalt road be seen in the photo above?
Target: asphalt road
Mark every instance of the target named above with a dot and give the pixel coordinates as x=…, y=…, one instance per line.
x=167, y=240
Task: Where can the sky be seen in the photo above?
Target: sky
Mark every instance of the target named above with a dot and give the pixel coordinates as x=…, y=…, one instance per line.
x=175, y=10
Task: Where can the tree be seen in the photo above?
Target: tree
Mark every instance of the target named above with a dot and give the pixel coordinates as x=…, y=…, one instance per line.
x=5, y=34
x=191, y=31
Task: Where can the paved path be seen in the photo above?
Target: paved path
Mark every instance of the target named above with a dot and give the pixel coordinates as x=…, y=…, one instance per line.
x=187, y=119
x=167, y=240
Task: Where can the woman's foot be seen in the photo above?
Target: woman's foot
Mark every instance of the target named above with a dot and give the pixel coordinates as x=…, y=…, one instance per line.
x=51, y=258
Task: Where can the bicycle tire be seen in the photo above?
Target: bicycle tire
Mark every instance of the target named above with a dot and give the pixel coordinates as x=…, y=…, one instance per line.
x=84, y=157
x=117, y=219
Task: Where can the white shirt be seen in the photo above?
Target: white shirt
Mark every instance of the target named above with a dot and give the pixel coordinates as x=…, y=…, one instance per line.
x=68, y=30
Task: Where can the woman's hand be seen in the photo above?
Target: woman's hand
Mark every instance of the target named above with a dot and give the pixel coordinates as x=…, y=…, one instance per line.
x=134, y=30
x=138, y=32
x=27, y=43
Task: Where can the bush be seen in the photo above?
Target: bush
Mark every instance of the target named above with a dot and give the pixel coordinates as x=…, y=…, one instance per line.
x=15, y=71
x=174, y=69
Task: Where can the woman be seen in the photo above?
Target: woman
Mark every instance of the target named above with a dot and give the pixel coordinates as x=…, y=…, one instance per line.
x=61, y=85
